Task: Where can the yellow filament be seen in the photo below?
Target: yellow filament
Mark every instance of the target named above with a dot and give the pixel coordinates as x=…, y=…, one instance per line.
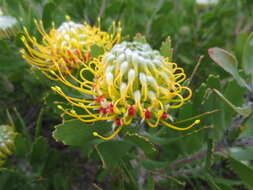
x=80, y=117
x=76, y=104
x=189, y=93
x=181, y=102
x=158, y=116
x=111, y=136
x=178, y=128
x=49, y=76
x=153, y=125
x=178, y=76
x=64, y=81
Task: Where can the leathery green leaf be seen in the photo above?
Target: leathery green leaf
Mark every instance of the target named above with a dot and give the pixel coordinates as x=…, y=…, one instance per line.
x=166, y=49
x=140, y=141
x=111, y=152
x=241, y=110
x=242, y=170
x=247, y=57
x=228, y=62
x=75, y=132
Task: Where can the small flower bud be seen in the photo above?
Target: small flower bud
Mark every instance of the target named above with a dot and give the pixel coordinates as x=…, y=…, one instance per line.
x=123, y=67
x=137, y=96
x=108, y=58
x=121, y=58
x=143, y=78
x=123, y=88
x=131, y=75
x=109, y=78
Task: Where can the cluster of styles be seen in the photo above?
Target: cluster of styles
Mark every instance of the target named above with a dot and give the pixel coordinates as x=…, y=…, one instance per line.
x=127, y=83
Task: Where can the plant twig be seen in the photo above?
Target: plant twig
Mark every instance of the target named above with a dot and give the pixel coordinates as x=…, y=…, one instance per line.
x=194, y=157
x=201, y=154
x=198, y=116
x=151, y=19
x=96, y=186
x=102, y=9
x=185, y=172
x=195, y=69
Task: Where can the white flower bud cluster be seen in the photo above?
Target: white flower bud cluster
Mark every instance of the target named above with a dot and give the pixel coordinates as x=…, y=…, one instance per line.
x=8, y=26
x=134, y=53
x=7, y=136
x=71, y=33
x=69, y=26
x=132, y=60
x=7, y=22
x=137, y=71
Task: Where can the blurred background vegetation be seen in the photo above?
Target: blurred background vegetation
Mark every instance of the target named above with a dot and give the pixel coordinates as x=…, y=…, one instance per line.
x=217, y=155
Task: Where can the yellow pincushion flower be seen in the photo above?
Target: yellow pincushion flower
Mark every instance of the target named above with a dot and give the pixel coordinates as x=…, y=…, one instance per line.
x=131, y=82
x=67, y=47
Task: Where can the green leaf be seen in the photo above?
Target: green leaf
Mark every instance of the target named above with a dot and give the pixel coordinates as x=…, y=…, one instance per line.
x=209, y=156
x=140, y=141
x=156, y=139
x=150, y=183
x=228, y=62
x=20, y=125
x=60, y=182
x=212, y=183
x=18, y=40
x=39, y=123
x=22, y=146
x=47, y=15
x=154, y=164
x=247, y=56
x=228, y=182
x=128, y=169
x=243, y=171
x=235, y=94
x=225, y=187
x=111, y=152
x=39, y=151
x=245, y=111
x=242, y=153
x=212, y=101
x=220, y=183
x=166, y=49
x=10, y=119
x=75, y=132
x=213, y=81
x=96, y=51
x=234, y=133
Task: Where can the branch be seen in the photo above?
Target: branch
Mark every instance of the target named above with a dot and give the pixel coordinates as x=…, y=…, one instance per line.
x=102, y=9
x=194, y=157
x=243, y=142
